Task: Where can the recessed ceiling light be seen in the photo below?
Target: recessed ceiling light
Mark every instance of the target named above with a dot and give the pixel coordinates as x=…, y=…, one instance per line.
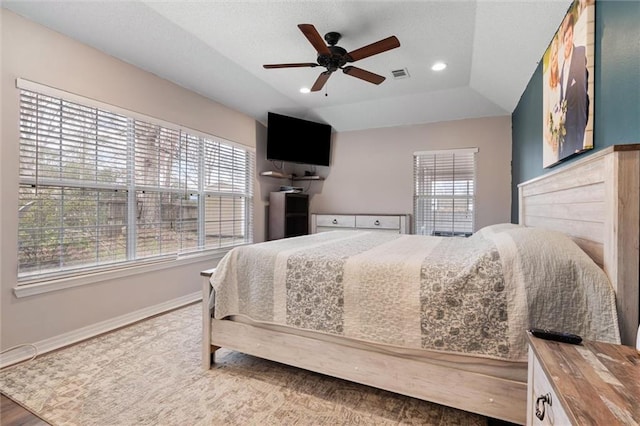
x=305, y=90
x=439, y=66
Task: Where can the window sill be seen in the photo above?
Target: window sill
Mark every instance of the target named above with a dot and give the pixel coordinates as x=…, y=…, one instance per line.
x=25, y=290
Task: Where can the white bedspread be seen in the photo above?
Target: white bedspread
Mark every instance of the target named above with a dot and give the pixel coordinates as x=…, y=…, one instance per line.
x=474, y=295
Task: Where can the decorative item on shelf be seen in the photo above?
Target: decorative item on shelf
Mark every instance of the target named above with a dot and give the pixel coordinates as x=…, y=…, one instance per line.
x=307, y=178
x=287, y=188
x=276, y=174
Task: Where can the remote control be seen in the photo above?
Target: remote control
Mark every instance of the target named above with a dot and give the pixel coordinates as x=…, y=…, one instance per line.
x=558, y=336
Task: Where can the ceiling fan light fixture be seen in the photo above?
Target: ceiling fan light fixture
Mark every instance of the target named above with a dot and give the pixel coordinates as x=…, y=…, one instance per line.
x=305, y=90
x=438, y=66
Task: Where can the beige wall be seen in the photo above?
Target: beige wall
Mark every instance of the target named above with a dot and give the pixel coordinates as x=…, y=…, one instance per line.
x=35, y=53
x=372, y=170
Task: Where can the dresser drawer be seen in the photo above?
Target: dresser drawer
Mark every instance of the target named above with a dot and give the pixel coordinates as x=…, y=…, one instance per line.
x=554, y=413
x=336, y=221
x=365, y=222
x=377, y=222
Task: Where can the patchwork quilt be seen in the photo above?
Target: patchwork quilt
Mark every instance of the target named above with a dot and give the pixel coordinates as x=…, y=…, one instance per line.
x=475, y=295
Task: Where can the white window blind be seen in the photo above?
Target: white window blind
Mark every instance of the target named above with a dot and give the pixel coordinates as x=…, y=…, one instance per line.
x=101, y=188
x=444, y=192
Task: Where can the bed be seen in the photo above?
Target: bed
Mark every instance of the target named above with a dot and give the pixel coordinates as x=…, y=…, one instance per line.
x=461, y=313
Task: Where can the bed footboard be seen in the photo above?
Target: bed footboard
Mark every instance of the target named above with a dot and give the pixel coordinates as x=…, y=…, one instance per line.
x=479, y=393
x=208, y=350
x=470, y=391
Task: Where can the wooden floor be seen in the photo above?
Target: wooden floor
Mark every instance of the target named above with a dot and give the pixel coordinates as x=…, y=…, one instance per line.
x=12, y=414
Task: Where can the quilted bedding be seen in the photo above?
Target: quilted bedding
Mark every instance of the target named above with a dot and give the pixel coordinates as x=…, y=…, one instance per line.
x=473, y=295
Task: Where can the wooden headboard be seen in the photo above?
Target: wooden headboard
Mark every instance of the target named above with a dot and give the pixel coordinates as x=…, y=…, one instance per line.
x=596, y=201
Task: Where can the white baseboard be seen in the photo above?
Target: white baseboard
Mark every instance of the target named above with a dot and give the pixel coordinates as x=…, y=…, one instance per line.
x=23, y=353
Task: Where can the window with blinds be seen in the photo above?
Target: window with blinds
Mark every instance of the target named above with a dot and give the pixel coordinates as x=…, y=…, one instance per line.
x=101, y=188
x=444, y=192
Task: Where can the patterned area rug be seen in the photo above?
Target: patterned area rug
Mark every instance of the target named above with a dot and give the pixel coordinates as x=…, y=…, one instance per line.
x=150, y=374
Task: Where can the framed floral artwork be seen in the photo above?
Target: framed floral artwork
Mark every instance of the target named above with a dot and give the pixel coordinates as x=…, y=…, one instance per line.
x=567, y=86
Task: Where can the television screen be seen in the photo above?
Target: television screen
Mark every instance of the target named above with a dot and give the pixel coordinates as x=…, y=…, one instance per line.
x=298, y=141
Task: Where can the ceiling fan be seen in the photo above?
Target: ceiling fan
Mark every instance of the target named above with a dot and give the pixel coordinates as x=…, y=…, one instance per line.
x=334, y=57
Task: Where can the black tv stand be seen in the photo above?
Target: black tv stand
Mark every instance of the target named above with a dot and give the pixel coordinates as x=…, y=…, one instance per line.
x=288, y=214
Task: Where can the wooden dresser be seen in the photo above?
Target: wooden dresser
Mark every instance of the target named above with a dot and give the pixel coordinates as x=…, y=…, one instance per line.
x=588, y=384
x=398, y=224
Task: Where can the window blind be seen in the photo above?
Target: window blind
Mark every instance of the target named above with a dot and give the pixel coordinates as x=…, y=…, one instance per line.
x=444, y=192
x=101, y=188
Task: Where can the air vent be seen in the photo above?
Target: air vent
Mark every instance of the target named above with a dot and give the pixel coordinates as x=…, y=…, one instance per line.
x=402, y=73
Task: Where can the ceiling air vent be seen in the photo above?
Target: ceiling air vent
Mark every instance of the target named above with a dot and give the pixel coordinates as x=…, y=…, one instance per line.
x=403, y=73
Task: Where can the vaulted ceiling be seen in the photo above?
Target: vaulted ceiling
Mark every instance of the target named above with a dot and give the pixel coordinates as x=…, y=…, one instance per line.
x=218, y=48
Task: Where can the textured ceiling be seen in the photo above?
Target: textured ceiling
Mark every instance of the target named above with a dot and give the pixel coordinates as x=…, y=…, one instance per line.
x=217, y=49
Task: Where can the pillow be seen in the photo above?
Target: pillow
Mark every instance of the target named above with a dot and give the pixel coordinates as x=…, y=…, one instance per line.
x=564, y=288
x=497, y=228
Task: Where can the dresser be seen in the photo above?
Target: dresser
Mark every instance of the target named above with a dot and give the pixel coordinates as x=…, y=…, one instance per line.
x=592, y=383
x=395, y=223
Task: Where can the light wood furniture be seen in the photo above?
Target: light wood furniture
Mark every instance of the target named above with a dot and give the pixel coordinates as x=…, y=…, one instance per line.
x=604, y=185
x=595, y=201
x=589, y=384
x=399, y=224
x=288, y=215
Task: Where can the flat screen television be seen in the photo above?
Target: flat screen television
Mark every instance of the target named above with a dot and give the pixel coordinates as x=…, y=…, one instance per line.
x=298, y=141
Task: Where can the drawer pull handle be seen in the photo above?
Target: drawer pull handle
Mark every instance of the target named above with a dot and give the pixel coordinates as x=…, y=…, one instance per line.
x=540, y=403
x=334, y=221
x=377, y=222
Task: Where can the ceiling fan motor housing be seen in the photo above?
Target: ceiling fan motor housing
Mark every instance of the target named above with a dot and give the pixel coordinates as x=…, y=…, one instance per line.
x=337, y=59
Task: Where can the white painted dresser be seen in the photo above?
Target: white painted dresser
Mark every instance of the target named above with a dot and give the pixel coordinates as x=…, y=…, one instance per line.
x=396, y=223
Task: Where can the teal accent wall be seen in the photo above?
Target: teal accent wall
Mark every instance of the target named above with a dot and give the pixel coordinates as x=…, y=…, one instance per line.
x=616, y=93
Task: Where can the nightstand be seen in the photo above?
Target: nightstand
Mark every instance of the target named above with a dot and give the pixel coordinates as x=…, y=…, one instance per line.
x=588, y=384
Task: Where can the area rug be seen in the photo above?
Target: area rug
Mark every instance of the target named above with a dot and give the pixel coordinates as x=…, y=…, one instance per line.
x=150, y=374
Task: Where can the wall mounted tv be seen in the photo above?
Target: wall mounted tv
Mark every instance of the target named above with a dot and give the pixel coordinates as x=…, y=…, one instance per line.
x=298, y=141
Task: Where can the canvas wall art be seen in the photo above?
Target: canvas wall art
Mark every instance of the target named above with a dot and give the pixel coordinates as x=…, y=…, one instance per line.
x=568, y=79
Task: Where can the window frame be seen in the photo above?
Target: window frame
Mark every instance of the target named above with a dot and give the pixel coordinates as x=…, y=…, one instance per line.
x=446, y=180
x=34, y=283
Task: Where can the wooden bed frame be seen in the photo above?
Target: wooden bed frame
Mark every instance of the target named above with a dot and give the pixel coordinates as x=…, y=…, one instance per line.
x=595, y=200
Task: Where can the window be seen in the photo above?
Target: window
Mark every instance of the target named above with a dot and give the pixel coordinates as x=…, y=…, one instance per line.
x=444, y=193
x=101, y=187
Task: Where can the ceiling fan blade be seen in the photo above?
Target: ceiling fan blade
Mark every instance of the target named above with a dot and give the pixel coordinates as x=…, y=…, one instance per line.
x=363, y=74
x=314, y=38
x=298, y=65
x=322, y=79
x=374, y=48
